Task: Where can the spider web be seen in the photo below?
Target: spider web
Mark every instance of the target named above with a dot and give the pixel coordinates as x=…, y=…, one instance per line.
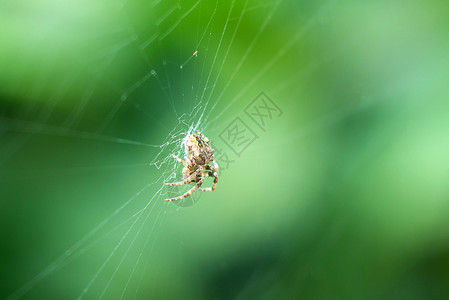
x=187, y=58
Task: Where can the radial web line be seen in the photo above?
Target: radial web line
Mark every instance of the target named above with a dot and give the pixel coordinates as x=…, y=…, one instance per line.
x=86, y=289
x=173, y=27
x=44, y=116
x=170, y=88
x=244, y=57
x=216, y=54
x=44, y=129
x=195, y=53
x=87, y=248
x=123, y=97
x=126, y=252
x=169, y=98
x=146, y=264
x=74, y=170
x=208, y=24
x=204, y=63
x=52, y=266
x=224, y=60
x=278, y=55
x=124, y=94
x=91, y=88
x=198, y=44
x=141, y=253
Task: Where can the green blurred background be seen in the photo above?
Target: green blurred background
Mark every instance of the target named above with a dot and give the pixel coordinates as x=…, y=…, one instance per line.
x=344, y=196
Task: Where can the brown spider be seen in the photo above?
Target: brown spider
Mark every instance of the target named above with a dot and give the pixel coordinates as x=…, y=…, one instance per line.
x=196, y=165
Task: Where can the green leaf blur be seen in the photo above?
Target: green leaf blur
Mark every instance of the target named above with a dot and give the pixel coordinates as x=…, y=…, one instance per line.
x=342, y=196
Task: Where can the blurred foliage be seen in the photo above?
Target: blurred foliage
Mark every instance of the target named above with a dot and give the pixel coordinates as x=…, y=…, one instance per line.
x=344, y=196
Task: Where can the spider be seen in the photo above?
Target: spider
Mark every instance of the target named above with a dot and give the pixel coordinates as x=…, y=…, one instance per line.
x=196, y=165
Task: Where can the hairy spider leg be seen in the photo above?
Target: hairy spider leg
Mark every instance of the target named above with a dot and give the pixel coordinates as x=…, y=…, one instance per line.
x=187, y=180
x=180, y=160
x=214, y=170
x=215, y=167
x=210, y=189
x=202, y=136
x=189, y=192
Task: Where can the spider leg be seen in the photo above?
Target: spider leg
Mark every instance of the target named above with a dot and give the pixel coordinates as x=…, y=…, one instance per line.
x=214, y=167
x=202, y=136
x=189, y=192
x=180, y=160
x=187, y=180
x=214, y=185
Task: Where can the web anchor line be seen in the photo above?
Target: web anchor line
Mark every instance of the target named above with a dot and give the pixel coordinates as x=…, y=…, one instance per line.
x=306, y=28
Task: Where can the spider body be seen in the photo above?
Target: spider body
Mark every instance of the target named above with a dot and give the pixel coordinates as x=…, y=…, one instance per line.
x=198, y=156
x=198, y=150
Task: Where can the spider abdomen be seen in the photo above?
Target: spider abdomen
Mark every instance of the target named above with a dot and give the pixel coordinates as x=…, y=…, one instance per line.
x=198, y=150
